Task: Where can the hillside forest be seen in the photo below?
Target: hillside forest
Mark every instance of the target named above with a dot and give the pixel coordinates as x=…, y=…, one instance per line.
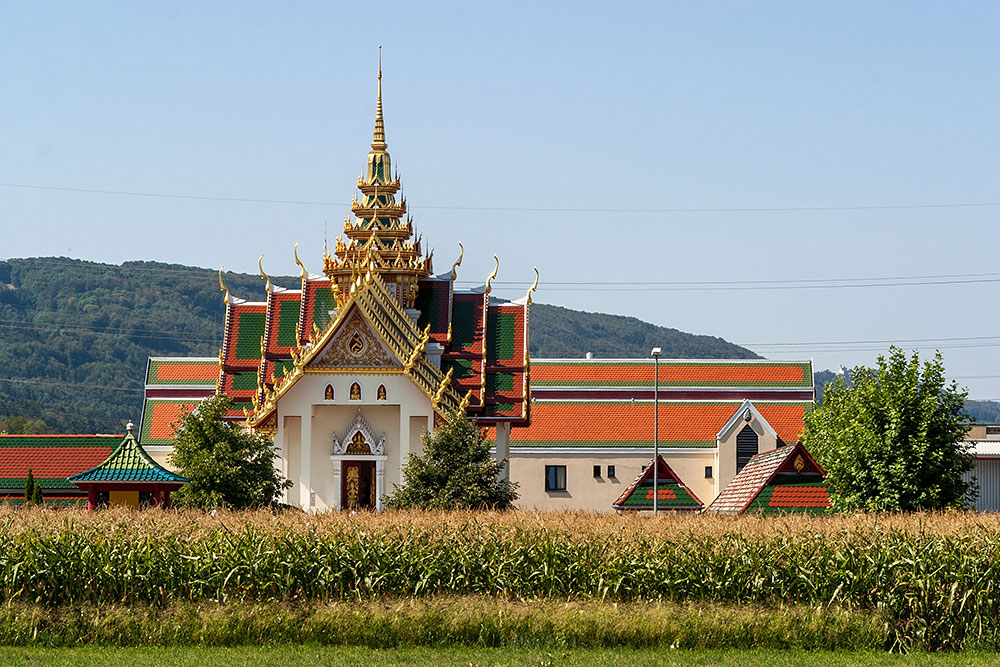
x=75, y=336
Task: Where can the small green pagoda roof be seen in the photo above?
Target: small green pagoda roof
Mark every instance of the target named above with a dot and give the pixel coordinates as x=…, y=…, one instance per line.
x=129, y=462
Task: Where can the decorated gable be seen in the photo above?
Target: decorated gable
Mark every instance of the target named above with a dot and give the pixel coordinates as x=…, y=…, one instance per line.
x=670, y=491
x=786, y=479
x=355, y=346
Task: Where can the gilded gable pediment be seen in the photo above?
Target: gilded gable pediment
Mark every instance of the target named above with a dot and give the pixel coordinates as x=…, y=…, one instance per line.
x=355, y=346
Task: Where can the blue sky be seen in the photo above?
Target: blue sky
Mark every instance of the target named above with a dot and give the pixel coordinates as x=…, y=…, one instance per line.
x=617, y=148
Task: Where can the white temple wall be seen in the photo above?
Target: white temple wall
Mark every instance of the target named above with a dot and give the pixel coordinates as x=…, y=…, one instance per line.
x=308, y=423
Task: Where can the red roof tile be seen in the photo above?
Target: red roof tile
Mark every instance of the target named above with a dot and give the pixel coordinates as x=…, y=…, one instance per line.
x=51, y=457
x=672, y=373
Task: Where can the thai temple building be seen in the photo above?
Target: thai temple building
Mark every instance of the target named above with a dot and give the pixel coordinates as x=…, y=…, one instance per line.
x=347, y=369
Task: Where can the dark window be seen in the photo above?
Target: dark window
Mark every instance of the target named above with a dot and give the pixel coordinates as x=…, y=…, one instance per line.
x=103, y=498
x=708, y=472
x=611, y=472
x=746, y=447
x=145, y=499
x=597, y=471
x=555, y=478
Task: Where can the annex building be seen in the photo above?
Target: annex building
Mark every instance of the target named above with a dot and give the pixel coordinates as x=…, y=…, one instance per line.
x=348, y=368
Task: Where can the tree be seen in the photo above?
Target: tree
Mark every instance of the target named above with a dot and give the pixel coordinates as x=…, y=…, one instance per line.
x=228, y=466
x=29, y=488
x=894, y=440
x=36, y=495
x=456, y=471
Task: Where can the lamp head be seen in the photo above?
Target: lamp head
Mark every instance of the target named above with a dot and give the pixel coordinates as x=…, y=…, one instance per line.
x=656, y=352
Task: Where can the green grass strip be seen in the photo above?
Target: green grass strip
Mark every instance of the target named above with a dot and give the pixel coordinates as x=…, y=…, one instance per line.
x=472, y=621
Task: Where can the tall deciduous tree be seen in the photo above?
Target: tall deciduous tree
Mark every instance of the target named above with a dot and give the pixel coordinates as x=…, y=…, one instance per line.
x=456, y=471
x=894, y=440
x=227, y=465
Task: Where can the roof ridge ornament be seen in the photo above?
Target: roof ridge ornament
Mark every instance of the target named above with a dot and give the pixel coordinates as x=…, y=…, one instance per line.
x=264, y=276
x=496, y=269
x=302, y=267
x=458, y=262
x=222, y=286
x=527, y=297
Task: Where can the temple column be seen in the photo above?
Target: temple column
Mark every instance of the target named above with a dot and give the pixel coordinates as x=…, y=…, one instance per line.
x=503, y=448
x=91, y=499
x=279, y=443
x=404, y=436
x=157, y=497
x=305, y=467
x=338, y=471
x=379, y=483
x=166, y=500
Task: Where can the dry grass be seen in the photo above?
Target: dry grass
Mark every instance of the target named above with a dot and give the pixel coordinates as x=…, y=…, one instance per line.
x=579, y=525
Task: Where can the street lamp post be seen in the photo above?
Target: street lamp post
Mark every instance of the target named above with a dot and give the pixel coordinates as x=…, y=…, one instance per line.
x=656, y=428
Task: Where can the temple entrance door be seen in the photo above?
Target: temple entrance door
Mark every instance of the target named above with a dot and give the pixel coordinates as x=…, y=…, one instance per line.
x=358, y=490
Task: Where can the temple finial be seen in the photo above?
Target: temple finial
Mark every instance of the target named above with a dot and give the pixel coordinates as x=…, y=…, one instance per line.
x=378, y=140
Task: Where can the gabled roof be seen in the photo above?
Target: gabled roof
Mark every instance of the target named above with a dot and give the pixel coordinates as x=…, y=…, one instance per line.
x=371, y=299
x=128, y=463
x=159, y=416
x=740, y=416
x=182, y=372
x=51, y=458
x=672, y=493
x=788, y=476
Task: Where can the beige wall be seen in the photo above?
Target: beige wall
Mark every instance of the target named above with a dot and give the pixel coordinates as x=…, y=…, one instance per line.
x=584, y=491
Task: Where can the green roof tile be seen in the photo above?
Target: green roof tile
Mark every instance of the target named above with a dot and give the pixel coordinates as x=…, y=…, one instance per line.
x=128, y=463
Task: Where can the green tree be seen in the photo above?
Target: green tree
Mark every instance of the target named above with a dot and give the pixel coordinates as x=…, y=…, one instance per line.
x=228, y=466
x=894, y=440
x=36, y=495
x=456, y=471
x=29, y=488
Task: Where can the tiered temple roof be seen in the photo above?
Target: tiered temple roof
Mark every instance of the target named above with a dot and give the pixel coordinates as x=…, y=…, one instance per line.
x=378, y=270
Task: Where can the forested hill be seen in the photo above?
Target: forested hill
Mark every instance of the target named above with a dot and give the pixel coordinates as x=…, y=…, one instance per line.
x=75, y=335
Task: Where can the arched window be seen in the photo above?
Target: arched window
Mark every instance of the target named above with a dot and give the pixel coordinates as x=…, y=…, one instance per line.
x=355, y=392
x=380, y=394
x=746, y=447
x=328, y=394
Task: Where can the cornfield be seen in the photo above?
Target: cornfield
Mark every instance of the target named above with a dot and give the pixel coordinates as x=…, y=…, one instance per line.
x=932, y=577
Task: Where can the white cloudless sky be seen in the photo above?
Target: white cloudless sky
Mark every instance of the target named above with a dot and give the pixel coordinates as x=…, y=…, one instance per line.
x=618, y=147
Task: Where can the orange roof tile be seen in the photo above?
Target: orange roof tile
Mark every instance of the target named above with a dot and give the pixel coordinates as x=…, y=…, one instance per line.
x=629, y=423
x=671, y=373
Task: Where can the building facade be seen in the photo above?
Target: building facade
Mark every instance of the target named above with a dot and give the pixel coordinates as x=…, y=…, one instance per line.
x=348, y=369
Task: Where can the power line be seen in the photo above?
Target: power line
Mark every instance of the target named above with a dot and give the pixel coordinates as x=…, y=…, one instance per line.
x=98, y=331
x=70, y=383
x=516, y=209
x=636, y=286
x=871, y=342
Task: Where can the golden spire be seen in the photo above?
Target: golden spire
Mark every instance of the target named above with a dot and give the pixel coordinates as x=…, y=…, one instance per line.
x=378, y=140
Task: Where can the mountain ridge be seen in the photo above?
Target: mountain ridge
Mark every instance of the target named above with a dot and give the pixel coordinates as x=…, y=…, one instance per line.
x=75, y=335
